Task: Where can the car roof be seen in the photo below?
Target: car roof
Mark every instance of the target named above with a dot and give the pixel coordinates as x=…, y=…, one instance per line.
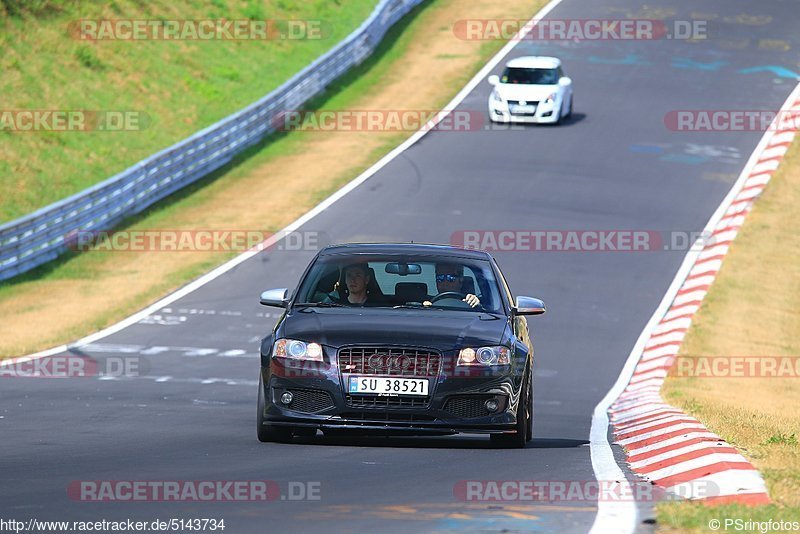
x=404, y=248
x=534, y=62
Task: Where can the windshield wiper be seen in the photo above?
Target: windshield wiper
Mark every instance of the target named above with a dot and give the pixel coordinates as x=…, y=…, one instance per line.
x=321, y=304
x=415, y=306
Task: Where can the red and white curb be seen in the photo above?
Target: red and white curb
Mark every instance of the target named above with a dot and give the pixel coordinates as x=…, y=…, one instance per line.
x=664, y=445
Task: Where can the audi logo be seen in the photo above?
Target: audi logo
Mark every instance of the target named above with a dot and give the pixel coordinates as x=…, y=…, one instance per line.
x=390, y=363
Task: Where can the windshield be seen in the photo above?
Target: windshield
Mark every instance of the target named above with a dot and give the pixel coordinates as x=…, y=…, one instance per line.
x=530, y=76
x=395, y=281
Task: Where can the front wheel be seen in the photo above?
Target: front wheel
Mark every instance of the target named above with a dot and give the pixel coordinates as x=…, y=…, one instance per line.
x=269, y=433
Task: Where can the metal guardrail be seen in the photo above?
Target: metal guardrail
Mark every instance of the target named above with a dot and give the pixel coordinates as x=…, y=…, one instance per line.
x=43, y=235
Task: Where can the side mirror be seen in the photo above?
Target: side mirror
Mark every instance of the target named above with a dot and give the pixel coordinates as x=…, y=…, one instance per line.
x=528, y=306
x=565, y=81
x=275, y=297
x=494, y=79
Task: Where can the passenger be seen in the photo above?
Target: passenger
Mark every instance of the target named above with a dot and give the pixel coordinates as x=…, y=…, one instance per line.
x=450, y=278
x=357, y=282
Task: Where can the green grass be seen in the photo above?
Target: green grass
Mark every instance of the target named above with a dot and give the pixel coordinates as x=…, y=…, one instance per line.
x=784, y=439
x=182, y=86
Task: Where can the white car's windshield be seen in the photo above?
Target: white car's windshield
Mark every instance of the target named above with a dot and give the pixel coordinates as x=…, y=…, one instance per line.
x=516, y=75
x=402, y=282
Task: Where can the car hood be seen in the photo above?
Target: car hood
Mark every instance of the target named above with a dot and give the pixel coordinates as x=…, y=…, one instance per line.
x=536, y=93
x=437, y=329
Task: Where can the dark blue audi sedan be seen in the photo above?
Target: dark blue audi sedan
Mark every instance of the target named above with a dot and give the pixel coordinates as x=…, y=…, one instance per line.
x=399, y=338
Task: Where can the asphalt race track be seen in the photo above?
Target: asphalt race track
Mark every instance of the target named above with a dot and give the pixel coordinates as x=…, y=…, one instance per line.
x=612, y=166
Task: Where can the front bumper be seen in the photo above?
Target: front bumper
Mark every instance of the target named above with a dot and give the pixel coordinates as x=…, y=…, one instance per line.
x=452, y=406
x=545, y=113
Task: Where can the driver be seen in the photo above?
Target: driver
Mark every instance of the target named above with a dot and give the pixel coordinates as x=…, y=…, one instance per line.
x=450, y=278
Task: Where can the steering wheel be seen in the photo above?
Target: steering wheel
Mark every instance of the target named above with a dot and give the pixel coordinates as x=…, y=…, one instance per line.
x=449, y=295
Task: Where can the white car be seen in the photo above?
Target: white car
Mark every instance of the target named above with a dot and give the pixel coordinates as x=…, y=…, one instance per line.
x=532, y=89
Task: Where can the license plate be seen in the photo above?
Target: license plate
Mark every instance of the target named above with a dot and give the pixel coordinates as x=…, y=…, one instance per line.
x=522, y=109
x=388, y=386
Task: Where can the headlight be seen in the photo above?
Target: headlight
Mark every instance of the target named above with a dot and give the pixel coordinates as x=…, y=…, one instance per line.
x=297, y=350
x=496, y=96
x=552, y=97
x=484, y=356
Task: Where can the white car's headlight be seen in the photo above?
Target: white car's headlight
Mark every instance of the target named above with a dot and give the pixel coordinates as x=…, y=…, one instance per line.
x=551, y=98
x=496, y=96
x=497, y=355
x=297, y=350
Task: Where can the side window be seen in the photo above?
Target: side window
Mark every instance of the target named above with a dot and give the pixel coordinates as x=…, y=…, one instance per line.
x=560, y=73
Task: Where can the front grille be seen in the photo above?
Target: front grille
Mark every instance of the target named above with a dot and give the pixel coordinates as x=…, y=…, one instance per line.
x=468, y=406
x=378, y=401
x=522, y=113
x=390, y=361
x=309, y=400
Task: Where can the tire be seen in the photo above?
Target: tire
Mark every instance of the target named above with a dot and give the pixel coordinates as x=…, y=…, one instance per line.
x=524, y=426
x=269, y=433
x=571, y=105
